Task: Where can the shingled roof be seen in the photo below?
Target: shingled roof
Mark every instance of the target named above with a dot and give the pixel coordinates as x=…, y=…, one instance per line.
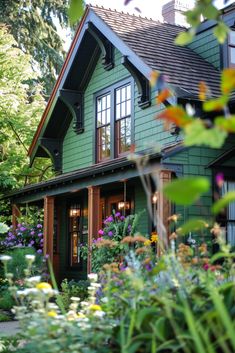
x=153, y=42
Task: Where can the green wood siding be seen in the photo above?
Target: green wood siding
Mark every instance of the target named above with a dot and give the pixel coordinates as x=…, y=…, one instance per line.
x=78, y=150
x=141, y=207
x=195, y=161
x=206, y=45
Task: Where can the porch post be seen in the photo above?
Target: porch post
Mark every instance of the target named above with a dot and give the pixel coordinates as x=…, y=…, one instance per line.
x=93, y=218
x=48, y=229
x=163, y=210
x=15, y=214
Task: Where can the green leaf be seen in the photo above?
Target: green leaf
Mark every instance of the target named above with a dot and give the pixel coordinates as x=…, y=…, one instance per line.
x=185, y=191
x=184, y=38
x=227, y=124
x=221, y=31
x=222, y=203
x=210, y=12
x=192, y=225
x=215, y=104
x=75, y=10
x=196, y=134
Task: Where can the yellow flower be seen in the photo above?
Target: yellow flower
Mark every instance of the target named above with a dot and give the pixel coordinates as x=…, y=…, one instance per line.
x=147, y=242
x=154, y=237
x=52, y=313
x=43, y=285
x=95, y=307
x=80, y=315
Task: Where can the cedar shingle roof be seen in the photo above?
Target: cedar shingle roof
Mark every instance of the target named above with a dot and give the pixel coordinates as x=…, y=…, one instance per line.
x=153, y=42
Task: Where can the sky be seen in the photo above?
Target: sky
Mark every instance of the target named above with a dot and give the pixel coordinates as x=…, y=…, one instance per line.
x=149, y=8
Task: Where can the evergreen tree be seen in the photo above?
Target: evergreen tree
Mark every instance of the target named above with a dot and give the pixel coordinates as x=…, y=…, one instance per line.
x=33, y=25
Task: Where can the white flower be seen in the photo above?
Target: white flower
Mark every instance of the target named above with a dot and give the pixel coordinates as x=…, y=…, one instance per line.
x=30, y=258
x=5, y=258
x=75, y=299
x=34, y=279
x=3, y=228
x=95, y=285
x=99, y=313
x=93, y=277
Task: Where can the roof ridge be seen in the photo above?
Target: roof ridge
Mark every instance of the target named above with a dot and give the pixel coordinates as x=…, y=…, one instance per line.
x=123, y=12
x=134, y=15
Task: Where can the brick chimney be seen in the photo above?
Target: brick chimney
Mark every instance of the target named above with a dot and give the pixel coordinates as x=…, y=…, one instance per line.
x=173, y=11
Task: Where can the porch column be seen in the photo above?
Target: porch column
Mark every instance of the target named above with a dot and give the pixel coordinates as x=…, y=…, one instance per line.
x=93, y=218
x=15, y=214
x=163, y=210
x=48, y=229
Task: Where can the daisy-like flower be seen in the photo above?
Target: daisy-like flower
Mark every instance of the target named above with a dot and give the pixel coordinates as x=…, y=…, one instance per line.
x=5, y=258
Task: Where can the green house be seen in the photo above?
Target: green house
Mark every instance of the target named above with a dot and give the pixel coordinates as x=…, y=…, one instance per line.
x=101, y=106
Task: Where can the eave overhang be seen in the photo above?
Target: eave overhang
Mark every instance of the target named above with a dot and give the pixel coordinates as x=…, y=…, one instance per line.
x=99, y=174
x=91, y=24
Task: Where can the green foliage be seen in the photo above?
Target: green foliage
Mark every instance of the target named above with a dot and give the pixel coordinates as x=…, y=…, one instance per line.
x=207, y=10
x=18, y=263
x=223, y=202
x=6, y=300
x=185, y=191
x=193, y=225
x=21, y=106
x=73, y=289
x=108, y=248
x=75, y=11
x=33, y=25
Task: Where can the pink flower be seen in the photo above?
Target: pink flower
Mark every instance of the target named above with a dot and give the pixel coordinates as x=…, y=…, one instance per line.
x=219, y=179
x=101, y=232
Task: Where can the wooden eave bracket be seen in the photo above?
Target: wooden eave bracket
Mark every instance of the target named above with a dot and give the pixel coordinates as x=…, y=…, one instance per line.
x=141, y=81
x=53, y=147
x=74, y=102
x=106, y=47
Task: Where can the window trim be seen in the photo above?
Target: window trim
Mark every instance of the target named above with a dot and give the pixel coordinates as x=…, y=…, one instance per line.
x=230, y=47
x=113, y=143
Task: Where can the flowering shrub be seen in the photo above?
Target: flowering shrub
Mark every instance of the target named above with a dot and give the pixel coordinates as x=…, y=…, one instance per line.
x=25, y=236
x=109, y=247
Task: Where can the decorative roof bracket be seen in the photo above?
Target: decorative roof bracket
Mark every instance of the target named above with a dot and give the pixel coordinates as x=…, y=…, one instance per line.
x=53, y=148
x=106, y=47
x=141, y=81
x=74, y=101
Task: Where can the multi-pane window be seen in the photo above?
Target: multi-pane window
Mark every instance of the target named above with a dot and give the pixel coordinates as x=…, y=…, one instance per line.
x=231, y=48
x=123, y=119
x=113, y=122
x=103, y=127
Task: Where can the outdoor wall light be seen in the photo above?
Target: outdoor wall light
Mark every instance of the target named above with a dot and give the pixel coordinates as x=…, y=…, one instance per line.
x=74, y=210
x=155, y=198
x=123, y=205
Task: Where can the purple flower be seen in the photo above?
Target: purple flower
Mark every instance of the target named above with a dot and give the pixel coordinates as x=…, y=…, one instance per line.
x=122, y=218
x=19, y=225
x=32, y=242
x=118, y=214
x=101, y=232
x=39, y=251
x=219, y=178
x=39, y=226
x=109, y=219
x=110, y=234
x=41, y=241
x=47, y=256
x=22, y=229
x=39, y=234
x=32, y=233
x=99, y=239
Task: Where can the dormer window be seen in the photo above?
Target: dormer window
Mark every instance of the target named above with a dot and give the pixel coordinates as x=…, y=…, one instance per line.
x=231, y=48
x=114, y=121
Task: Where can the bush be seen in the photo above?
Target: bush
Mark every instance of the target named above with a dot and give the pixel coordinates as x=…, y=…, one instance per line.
x=25, y=236
x=73, y=289
x=18, y=263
